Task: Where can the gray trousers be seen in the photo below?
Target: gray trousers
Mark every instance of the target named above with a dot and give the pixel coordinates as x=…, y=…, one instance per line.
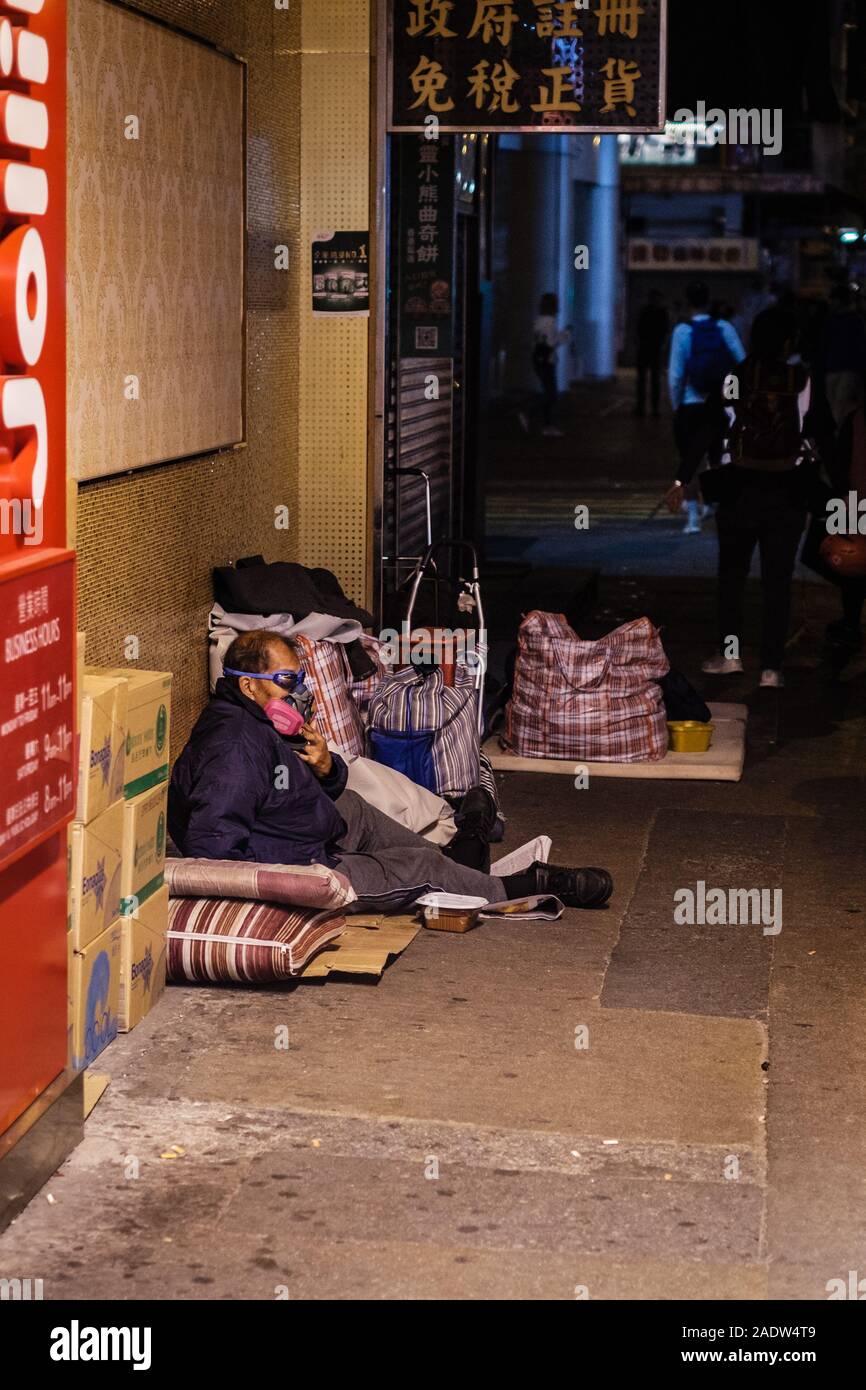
x=389, y=867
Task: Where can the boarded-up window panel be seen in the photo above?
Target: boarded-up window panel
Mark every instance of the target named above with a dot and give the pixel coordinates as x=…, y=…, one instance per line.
x=155, y=243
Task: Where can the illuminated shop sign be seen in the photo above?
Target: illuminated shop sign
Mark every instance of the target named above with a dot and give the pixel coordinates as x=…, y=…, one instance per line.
x=32, y=276
x=694, y=254
x=569, y=65
x=37, y=572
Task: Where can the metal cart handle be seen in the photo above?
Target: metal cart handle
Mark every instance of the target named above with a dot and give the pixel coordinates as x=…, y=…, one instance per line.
x=425, y=563
x=419, y=473
x=475, y=585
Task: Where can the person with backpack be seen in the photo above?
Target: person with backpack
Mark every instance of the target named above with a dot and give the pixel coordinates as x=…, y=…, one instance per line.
x=704, y=352
x=763, y=495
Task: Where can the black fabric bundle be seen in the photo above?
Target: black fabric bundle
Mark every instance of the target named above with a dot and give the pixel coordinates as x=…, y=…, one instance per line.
x=252, y=586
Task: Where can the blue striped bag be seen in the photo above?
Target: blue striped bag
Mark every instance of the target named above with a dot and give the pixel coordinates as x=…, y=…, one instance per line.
x=427, y=730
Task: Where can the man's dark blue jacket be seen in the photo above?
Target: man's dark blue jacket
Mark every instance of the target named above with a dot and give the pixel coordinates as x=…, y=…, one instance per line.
x=239, y=791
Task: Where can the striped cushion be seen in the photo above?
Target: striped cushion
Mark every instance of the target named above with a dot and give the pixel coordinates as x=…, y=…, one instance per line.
x=298, y=885
x=228, y=941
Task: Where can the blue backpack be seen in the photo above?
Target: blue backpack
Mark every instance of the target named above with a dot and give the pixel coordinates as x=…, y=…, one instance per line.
x=710, y=358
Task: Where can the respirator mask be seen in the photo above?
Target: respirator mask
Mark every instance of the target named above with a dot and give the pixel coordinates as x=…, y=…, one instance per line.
x=289, y=714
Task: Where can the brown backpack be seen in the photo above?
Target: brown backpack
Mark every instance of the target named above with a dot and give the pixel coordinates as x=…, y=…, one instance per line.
x=767, y=427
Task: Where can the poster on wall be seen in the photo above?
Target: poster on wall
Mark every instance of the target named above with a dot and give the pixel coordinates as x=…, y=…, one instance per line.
x=487, y=65
x=426, y=249
x=341, y=273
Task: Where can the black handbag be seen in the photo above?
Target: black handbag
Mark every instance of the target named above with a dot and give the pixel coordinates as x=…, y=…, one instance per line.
x=681, y=699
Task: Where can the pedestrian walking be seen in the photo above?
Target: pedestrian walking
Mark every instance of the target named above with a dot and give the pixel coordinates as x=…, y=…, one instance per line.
x=763, y=495
x=843, y=355
x=704, y=351
x=758, y=298
x=653, y=326
x=547, y=337
x=846, y=470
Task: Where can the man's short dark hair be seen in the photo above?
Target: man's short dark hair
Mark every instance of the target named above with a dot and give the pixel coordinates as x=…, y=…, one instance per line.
x=251, y=651
x=697, y=294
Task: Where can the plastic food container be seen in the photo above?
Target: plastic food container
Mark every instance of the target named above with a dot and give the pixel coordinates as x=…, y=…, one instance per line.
x=446, y=912
x=689, y=735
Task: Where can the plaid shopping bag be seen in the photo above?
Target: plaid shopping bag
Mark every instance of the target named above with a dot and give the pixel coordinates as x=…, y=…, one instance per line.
x=426, y=729
x=329, y=676
x=363, y=691
x=587, y=701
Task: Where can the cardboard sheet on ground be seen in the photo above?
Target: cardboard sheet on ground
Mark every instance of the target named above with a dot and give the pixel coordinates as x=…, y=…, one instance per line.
x=95, y=1085
x=365, y=947
x=723, y=761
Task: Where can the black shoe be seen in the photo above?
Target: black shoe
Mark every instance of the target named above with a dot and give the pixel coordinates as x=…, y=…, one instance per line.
x=476, y=813
x=574, y=887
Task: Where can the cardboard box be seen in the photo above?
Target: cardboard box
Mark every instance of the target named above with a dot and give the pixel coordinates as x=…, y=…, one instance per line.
x=102, y=749
x=143, y=868
x=95, y=993
x=97, y=873
x=143, y=960
x=148, y=726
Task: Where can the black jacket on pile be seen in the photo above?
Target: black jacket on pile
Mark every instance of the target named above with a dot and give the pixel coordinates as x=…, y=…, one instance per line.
x=255, y=587
x=224, y=802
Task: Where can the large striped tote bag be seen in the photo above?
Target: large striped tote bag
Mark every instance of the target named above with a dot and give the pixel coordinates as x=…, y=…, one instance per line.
x=426, y=729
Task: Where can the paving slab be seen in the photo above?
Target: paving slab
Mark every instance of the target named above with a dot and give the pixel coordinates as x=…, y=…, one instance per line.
x=816, y=1209
x=495, y=1053
x=266, y=1205
x=697, y=967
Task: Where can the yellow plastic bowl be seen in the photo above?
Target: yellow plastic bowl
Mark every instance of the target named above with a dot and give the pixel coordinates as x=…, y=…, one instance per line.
x=690, y=736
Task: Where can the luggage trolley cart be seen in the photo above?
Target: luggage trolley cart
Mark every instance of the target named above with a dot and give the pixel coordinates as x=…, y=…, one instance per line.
x=468, y=601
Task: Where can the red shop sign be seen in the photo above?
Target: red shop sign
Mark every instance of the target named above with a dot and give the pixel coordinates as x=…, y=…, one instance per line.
x=32, y=277
x=37, y=708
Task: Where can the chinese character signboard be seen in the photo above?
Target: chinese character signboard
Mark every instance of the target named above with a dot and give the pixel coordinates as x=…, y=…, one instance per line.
x=37, y=641
x=568, y=65
x=703, y=254
x=426, y=251
x=341, y=273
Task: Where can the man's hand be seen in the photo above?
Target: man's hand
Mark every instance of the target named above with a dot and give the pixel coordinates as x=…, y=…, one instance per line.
x=674, y=497
x=315, y=751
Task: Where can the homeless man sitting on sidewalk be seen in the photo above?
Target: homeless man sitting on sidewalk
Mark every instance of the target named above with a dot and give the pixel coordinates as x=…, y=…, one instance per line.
x=241, y=790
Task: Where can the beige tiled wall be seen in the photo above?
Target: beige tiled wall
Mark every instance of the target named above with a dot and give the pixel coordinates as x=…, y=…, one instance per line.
x=148, y=540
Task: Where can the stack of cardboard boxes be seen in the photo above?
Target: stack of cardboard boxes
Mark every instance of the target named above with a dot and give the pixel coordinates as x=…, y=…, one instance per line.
x=118, y=902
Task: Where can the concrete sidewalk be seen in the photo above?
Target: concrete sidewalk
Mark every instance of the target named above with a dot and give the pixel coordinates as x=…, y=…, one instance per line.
x=440, y=1134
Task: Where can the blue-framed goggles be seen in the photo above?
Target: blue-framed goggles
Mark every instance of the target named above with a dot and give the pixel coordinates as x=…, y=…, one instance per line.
x=286, y=680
